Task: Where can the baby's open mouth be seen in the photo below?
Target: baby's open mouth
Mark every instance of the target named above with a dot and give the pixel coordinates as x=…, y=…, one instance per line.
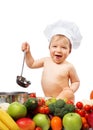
x=58, y=56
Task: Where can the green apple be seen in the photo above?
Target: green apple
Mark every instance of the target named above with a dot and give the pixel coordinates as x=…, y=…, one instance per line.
x=72, y=121
x=17, y=110
x=42, y=120
x=50, y=100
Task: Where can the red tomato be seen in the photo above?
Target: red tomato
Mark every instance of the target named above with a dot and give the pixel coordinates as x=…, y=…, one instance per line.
x=26, y=124
x=41, y=109
x=77, y=110
x=87, y=108
x=85, y=126
x=79, y=105
x=38, y=128
x=86, y=115
x=41, y=101
x=81, y=112
x=32, y=95
x=92, y=107
x=70, y=102
x=47, y=110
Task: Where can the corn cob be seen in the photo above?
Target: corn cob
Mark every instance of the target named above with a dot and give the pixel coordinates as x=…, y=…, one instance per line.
x=8, y=120
x=3, y=126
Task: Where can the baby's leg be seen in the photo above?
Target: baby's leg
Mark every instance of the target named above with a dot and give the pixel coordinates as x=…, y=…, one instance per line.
x=67, y=94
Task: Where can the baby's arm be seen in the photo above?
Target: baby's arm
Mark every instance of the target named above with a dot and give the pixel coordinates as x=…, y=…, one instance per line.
x=31, y=63
x=68, y=92
x=29, y=59
x=74, y=79
x=74, y=86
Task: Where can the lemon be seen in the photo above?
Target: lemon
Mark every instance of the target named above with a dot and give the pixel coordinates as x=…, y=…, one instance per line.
x=17, y=110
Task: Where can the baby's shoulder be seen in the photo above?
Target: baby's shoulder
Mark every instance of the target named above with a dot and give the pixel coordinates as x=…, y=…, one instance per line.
x=47, y=59
x=70, y=65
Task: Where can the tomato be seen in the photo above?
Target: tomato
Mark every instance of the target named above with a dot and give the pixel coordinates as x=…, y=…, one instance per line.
x=85, y=126
x=86, y=115
x=70, y=102
x=38, y=128
x=43, y=109
x=47, y=110
x=87, y=108
x=81, y=112
x=32, y=95
x=76, y=110
x=41, y=101
x=92, y=107
x=79, y=105
x=26, y=123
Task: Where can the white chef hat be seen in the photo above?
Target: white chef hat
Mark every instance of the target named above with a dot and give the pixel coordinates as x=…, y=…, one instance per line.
x=66, y=28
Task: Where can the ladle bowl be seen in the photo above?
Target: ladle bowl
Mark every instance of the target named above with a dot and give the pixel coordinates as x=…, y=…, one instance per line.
x=22, y=81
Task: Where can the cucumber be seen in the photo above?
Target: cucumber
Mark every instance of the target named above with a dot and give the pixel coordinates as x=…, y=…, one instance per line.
x=31, y=103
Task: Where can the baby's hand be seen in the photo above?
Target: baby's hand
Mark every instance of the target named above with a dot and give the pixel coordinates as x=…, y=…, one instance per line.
x=25, y=47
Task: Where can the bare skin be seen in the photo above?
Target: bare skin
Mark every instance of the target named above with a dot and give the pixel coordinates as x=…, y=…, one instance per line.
x=59, y=77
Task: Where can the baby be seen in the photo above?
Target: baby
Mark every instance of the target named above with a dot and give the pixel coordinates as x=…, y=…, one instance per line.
x=59, y=77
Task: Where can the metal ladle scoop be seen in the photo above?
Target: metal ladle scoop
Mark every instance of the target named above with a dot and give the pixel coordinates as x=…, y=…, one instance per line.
x=20, y=79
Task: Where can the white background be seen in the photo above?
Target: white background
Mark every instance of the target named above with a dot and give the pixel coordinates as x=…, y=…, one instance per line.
x=25, y=20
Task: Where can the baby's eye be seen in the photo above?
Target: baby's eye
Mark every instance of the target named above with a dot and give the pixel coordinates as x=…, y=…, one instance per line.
x=54, y=46
x=64, y=47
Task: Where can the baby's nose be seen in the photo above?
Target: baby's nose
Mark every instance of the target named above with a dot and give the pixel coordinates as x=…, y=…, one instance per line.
x=58, y=49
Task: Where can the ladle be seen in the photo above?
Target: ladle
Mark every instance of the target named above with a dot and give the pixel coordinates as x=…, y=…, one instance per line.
x=20, y=79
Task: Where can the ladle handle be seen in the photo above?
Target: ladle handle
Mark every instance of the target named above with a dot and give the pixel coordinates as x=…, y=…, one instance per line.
x=23, y=63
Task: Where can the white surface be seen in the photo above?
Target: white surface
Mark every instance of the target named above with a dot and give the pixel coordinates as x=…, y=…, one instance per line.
x=25, y=20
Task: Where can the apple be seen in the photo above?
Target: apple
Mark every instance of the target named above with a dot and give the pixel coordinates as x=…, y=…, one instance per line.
x=90, y=119
x=50, y=100
x=72, y=121
x=26, y=123
x=42, y=120
x=17, y=110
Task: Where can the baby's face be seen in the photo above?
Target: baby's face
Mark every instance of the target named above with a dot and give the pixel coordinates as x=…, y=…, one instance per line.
x=60, y=48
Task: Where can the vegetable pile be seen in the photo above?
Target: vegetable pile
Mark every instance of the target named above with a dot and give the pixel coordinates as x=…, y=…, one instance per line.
x=60, y=108
x=48, y=114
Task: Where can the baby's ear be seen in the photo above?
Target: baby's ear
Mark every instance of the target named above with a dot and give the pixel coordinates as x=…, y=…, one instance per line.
x=70, y=47
x=49, y=46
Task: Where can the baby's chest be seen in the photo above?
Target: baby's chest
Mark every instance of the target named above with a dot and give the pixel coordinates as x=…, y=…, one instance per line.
x=57, y=72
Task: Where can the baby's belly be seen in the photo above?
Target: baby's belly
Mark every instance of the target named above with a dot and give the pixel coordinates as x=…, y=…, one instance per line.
x=51, y=88
x=53, y=84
